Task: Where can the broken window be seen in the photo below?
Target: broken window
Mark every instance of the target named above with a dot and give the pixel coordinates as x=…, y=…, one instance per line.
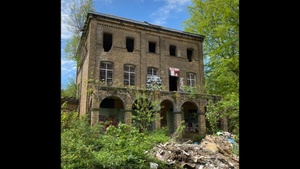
x=151, y=71
x=152, y=46
x=106, y=73
x=191, y=79
x=107, y=41
x=129, y=44
x=189, y=53
x=129, y=75
x=172, y=50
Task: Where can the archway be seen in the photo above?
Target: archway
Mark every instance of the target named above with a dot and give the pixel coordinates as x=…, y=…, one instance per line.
x=190, y=116
x=111, y=111
x=166, y=113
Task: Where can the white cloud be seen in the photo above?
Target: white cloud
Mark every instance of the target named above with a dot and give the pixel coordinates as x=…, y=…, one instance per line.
x=163, y=13
x=67, y=66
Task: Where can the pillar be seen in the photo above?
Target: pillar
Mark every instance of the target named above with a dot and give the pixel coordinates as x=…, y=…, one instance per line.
x=201, y=121
x=157, y=120
x=224, y=124
x=94, y=115
x=128, y=116
x=177, y=121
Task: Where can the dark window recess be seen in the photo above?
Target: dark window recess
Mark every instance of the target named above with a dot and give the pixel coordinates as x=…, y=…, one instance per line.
x=189, y=54
x=107, y=41
x=172, y=50
x=107, y=103
x=129, y=44
x=152, y=47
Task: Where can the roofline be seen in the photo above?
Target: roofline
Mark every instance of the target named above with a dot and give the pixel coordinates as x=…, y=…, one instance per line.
x=145, y=24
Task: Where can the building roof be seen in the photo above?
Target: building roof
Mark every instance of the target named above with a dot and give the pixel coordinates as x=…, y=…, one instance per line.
x=146, y=24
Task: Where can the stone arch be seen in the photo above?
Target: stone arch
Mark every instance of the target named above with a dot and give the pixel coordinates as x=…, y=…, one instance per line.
x=111, y=110
x=166, y=115
x=190, y=114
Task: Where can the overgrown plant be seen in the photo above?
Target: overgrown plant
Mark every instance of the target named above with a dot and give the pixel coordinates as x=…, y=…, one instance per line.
x=145, y=109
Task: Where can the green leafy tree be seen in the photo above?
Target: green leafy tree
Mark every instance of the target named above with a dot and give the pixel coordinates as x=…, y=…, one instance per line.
x=218, y=21
x=145, y=111
x=78, y=10
x=70, y=90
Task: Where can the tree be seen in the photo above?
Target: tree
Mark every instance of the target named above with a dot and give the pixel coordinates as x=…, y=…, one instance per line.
x=145, y=111
x=218, y=21
x=70, y=90
x=78, y=10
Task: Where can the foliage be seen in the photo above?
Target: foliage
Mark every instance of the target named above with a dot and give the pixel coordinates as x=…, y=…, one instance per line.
x=78, y=142
x=145, y=111
x=218, y=21
x=78, y=10
x=68, y=119
x=71, y=48
x=128, y=148
x=89, y=147
x=70, y=90
x=198, y=138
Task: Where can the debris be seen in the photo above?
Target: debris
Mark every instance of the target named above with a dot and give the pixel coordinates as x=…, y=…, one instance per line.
x=212, y=152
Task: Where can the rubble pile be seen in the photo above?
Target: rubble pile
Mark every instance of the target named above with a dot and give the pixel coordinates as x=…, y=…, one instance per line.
x=212, y=152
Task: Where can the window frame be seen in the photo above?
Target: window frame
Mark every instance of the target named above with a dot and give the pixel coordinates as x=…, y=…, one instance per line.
x=191, y=82
x=107, y=80
x=130, y=74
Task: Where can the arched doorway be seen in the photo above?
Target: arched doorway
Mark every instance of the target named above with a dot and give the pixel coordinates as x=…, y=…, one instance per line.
x=166, y=113
x=111, y=110
x=190, y=117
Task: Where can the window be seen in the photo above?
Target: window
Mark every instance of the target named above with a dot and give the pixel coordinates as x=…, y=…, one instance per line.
x=191, y=79
x=152, y=46
x=107, y=41
x=129, y=75
x=172, y=50
x=129, y=44
x=189, y=53
x=151, y=71
x=106, y=73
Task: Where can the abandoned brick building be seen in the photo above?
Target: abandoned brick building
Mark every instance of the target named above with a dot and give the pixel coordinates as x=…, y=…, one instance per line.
x=118, y=53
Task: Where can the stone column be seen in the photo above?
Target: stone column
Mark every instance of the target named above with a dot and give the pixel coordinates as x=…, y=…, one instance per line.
x=94, y=115
x=157, y=120
x=128, y=116
x=177, y=121
x=201, y=121
x=224, y=124
x=95, y=110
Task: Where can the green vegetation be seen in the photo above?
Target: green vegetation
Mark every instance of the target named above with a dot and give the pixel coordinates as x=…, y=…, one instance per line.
x=85, y=146
x=218, y=21
x=70, y=90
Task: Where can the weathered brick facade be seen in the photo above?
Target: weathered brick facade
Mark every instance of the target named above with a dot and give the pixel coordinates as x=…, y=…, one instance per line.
x=93, y=91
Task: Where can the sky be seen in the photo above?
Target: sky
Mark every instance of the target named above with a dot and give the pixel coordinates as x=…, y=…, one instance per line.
x=166, y=13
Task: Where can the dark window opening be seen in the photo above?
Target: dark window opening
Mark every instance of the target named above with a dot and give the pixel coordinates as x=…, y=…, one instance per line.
x=172, y=50
x=108, y=103
x=107, y=41
x=129, y=44
x=189, y=54
x=152, y=47
x=172, y=83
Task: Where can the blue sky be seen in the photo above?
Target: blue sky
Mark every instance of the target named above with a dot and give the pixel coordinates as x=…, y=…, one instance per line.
x=167, y=13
